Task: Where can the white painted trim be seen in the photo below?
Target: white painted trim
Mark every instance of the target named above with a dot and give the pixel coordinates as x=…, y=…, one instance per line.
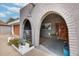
x=12, y=29
x=14, y=22
x=21, y=51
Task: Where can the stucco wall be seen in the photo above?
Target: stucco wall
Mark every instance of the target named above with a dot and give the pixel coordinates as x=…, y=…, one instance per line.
x=5, y=29
x=70, y=12
x=25, y=14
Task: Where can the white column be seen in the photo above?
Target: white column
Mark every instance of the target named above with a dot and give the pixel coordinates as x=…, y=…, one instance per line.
x=21, y=30
x=12, y=29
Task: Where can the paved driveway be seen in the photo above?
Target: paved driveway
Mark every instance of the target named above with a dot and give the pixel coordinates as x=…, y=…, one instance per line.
x=6, y=50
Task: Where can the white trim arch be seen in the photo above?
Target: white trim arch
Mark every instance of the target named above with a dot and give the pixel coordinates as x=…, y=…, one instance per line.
x=51, y=12
x=71, y=29
x=25, y=21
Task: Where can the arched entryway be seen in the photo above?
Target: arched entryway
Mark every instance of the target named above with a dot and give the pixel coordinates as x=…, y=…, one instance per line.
x=27, y=31
x=54, y=34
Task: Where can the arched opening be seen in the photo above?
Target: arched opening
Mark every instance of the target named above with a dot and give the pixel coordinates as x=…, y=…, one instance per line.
x=27, y=32
x=54, y=34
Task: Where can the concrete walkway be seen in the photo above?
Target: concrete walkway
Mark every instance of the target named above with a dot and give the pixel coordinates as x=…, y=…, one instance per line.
x=37, y=52
x=6, y=50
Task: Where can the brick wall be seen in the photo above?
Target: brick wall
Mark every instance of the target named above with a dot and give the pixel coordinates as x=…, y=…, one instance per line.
x=17, y=30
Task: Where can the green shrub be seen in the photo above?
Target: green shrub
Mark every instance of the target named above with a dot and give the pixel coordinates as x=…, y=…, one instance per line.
x=14, y=42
